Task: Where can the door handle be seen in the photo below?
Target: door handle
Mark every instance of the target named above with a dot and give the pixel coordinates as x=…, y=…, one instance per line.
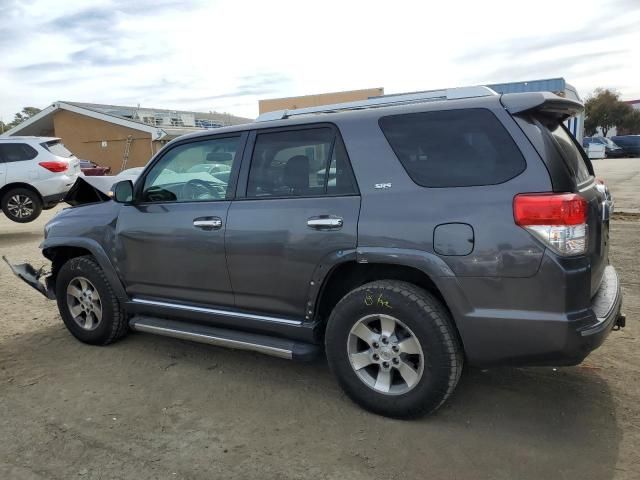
x=207, y=223
x=325, y=222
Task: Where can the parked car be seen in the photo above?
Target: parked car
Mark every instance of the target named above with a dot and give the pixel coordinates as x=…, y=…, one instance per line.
x=131, y=172
x=91, y=169
x=428, y=250
x=612, y=150
x=35, y=174
x=629, y=143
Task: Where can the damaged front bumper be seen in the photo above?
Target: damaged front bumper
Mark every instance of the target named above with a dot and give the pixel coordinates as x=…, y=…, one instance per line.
x=31, y=276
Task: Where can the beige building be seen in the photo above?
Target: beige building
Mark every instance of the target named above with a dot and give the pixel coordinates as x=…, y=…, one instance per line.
x=291, y=103
x=117, y=136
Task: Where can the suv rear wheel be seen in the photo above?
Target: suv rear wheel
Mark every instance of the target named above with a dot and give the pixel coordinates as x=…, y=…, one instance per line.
x=21, y=205
x=88, y=305
x=393, y=348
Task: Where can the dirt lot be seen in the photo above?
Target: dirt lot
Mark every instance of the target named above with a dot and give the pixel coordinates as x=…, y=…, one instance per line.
x=151, y=407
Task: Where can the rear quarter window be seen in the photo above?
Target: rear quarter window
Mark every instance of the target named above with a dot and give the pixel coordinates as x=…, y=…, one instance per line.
x=453, y=148
x=16, y=152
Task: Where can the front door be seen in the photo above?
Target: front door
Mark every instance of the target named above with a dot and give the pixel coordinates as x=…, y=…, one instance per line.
x=300, y=207
x=170, y=241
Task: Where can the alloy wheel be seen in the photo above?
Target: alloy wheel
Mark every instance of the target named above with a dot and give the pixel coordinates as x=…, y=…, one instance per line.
x=20, y=206
x=84, y=303
x=385, y=354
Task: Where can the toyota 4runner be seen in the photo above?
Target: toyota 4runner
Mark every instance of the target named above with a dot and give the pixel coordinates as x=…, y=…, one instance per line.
x=408, y=235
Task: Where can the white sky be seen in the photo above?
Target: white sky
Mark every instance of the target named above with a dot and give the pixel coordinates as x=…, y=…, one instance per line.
x=226, y=55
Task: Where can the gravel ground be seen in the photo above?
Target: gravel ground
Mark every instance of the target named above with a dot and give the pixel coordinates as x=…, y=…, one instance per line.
x=156, y=408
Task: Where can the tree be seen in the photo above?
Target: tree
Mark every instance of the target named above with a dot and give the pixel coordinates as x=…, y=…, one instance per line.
x=25, y=114
x=604, y=109
x=630, y=124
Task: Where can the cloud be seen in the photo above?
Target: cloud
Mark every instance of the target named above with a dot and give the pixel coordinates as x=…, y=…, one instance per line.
x=597, y=29
x=249, y=85
x=551, y=67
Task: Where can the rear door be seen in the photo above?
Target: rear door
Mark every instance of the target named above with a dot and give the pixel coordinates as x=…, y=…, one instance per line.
x=299, y=206
x=18, y=163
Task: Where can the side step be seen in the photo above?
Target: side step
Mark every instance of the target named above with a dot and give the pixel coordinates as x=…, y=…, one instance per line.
x=277, y=347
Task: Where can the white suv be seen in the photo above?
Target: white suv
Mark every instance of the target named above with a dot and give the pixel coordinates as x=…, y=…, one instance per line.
x=35, y=174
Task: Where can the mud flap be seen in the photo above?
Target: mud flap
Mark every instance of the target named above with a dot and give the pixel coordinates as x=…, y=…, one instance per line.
x=31, y=276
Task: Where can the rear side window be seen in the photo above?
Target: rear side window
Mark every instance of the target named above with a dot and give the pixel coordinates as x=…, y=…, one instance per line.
x=58, y=149
x=300, y=163
x=454, y=148
x=16, y=152
x=571, y=153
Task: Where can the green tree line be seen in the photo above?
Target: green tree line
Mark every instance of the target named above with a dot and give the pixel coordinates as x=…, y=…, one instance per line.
x=26, y=113
x=605, y=110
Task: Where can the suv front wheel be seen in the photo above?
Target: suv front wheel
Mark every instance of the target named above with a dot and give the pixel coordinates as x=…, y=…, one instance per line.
x=393, y=349
x=88, y=305
x=21, y=205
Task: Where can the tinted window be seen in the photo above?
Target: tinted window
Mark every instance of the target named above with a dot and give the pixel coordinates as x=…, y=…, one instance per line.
x=57, y=148
x=179, y=176
x=305, y=162
x=570, y=152
x=455, y=148
x=17, y=152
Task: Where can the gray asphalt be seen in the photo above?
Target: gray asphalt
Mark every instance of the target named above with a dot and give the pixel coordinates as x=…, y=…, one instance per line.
x=623, y=177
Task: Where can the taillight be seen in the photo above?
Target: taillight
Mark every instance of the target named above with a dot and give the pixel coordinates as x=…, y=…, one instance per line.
x=558, y=220
x=55, y=166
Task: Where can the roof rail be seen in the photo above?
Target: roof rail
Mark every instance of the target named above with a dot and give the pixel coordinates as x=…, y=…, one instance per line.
x=383, y=101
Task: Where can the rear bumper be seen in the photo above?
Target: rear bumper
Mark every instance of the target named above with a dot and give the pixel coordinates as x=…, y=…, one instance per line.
x=606, y=310
x=523, y=338
x=53, y=199
x=55, y=185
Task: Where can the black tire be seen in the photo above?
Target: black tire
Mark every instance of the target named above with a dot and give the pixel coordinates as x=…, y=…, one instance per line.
x=113, y=324
x=429, y=322
x=20, y=194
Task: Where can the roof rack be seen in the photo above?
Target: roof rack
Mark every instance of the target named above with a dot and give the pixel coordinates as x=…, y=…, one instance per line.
x=384, y=101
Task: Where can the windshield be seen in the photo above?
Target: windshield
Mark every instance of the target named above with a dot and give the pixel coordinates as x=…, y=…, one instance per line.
x=58, y=149
x=609, y=143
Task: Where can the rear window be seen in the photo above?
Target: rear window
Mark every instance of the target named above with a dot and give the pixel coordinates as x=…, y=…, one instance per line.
x=571, y=153
x=454, y=148
x=57, y=148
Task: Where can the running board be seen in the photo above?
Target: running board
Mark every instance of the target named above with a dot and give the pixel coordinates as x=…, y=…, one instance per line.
x=274, y=346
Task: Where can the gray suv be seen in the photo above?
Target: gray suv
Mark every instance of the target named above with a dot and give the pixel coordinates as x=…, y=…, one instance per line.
x=407, y=235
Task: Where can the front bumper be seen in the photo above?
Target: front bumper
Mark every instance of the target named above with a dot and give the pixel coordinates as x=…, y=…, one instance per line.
x=27, y=273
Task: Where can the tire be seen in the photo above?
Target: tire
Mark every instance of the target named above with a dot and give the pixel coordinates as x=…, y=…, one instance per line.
x=435, y=362
x=21, y=205
x=83, y=274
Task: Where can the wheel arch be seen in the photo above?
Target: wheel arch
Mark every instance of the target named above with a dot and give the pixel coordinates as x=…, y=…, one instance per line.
x=10, y=186
x=422, y=269
x=61, y=250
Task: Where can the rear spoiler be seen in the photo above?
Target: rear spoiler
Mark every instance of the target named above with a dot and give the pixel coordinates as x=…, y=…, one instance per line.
x=543, y=102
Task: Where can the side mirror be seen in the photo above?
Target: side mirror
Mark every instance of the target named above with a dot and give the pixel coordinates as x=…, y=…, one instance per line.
x=122, y=192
